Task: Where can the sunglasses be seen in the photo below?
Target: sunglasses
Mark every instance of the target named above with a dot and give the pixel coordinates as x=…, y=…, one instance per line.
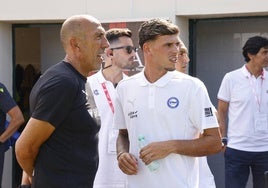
x=129, y=49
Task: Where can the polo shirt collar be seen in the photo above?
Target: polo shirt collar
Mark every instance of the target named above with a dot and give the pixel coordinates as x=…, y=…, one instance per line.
x=161, y=82
x=264, y=74
x=248, y=74
x=101, y=78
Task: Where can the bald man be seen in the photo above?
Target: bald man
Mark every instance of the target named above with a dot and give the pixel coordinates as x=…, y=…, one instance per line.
x=58, y=147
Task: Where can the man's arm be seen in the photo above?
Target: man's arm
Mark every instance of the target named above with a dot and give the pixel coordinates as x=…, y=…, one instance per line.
x=208, y=143
x=27, y=147
x=126, y=161
x=122, y=143
x=16, y=120
x=222, y=114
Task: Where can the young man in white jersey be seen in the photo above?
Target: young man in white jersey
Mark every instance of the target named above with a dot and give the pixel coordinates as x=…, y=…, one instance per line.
x=120, y=56
x=161, y=104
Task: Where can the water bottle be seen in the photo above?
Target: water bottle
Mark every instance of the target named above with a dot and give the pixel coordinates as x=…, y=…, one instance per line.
x=154, y=165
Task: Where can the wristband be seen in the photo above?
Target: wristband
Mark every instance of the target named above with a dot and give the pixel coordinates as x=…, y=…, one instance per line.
x=119, y=154
x=224, y=140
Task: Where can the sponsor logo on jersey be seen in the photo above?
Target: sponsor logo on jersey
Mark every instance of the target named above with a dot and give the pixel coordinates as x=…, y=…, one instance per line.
x=208, y=112
x=133, y=114
x=131, y=101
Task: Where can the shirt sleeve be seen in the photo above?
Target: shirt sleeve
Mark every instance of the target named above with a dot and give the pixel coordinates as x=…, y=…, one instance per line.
x=224, y=90
x=119, y=120
x=55, y=100
x=201, y=109
x=6, y=101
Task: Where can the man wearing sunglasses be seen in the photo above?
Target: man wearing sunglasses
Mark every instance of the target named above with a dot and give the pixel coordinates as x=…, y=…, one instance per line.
x=128, y=49
x=119, y=57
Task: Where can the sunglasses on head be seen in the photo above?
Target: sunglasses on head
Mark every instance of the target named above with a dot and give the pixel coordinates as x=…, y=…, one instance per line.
x=129, y=49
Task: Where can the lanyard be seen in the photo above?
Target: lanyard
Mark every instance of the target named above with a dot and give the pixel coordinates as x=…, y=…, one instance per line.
x=108, y=97
x=253, y=88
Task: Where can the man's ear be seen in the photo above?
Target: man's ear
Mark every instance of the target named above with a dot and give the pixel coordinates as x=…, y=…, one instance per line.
x=146, y=48
x=74, y=44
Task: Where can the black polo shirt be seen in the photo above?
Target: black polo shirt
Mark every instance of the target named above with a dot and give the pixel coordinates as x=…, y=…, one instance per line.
x=69, y=158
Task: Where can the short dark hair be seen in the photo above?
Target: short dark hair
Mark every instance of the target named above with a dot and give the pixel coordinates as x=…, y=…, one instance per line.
x=253, y=46
x=151, y=29
x=115, y=33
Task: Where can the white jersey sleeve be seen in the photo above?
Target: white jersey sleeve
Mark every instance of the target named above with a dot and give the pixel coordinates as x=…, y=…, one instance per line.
x=224, y=90
x=202, y=110
x=119, y=120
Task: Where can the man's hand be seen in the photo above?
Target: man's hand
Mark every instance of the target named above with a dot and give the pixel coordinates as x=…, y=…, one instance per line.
x=128, y=163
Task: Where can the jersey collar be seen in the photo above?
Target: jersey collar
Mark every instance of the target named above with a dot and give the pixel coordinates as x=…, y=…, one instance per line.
x=248, y=74
x=101, y=78
x=161, y=82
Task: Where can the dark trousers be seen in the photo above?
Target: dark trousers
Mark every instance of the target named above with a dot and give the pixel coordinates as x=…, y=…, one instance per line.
x=2, y=159
x=238, y=165
x=266, y=179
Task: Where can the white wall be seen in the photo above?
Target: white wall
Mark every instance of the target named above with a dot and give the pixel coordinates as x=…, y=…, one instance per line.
x=51, y=49
x=6, y=56
x=183, y=24
x=15, y=10
x=6, y=77
x=209, y=8
x=50, y=10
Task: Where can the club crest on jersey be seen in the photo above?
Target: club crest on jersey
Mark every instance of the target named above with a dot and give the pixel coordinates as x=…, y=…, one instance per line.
x=173, y=102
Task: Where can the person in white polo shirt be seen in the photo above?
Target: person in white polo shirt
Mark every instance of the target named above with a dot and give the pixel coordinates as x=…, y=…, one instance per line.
x=119, y=56
x=167, y=108
x=243, y=97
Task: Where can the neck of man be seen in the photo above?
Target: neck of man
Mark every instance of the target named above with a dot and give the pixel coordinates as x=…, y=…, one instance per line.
x=254, y=69
x=77, y=66
x=152, y=74
x=113, y=74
